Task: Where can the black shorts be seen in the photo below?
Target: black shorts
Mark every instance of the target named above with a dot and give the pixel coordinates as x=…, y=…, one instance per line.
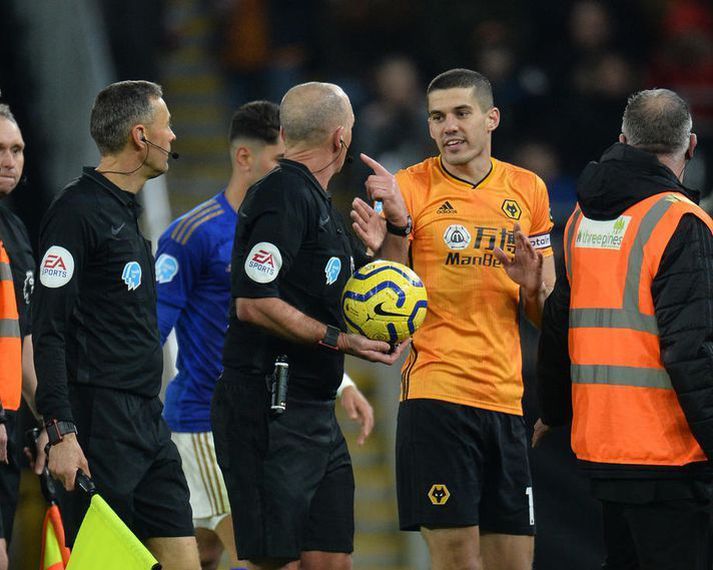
x=462, y=466
x=289, y=478
x=10, y=477
x=133, y=462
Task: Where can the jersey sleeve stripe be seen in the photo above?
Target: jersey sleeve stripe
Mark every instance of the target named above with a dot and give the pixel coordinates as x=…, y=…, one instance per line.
x=197, y=224
x=191, y=216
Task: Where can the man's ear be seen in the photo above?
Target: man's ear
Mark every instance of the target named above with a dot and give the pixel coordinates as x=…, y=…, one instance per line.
x=243, y=157
x=692, y=143
x=493, y=119
x=622, y=138
x=338, y=139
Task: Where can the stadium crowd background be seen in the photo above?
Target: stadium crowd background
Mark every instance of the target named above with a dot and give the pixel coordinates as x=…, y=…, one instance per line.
x=561, y=72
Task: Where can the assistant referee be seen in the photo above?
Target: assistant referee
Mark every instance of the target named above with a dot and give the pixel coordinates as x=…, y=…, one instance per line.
x=97, y=348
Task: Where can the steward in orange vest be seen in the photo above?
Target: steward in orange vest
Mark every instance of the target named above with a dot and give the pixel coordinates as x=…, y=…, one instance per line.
x=626, y=350
x=10, y=341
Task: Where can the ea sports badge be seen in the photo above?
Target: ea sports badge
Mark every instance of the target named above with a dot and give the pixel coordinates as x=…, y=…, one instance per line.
x=56, y=267
x=263, y=263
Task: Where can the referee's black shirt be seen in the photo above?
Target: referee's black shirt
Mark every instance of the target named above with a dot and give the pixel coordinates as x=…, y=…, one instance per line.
x=22, y=264
x=94, y=309
x=292, y=244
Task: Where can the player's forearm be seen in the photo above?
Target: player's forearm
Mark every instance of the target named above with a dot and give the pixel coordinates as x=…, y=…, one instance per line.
x=281, y=319
x=394, y=248
x=533, y=302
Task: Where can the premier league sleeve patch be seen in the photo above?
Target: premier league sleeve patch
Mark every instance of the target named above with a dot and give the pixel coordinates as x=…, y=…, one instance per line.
x=56, y=267
x=166, y=268
x=263, y=263
x=132, y=275
x=332, y=269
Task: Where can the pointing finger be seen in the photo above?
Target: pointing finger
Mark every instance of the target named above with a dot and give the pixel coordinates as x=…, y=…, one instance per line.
x=374, y=165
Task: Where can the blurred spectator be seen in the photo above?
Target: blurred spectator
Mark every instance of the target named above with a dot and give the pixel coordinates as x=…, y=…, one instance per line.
x=684, y=62
x=542, y=159
x=586, y=118
x=391, y=128
x=264, y=46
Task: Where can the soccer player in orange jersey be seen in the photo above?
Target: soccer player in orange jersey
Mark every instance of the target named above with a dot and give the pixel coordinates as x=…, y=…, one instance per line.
x=477, y=231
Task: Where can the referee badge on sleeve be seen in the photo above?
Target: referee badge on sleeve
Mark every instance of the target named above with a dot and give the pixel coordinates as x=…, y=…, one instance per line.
x=56, y=267
x=263, y=263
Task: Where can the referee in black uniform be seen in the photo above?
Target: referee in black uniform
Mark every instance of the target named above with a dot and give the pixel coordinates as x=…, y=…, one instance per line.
x=97, y=347
x=16, y=242
x=289, y=476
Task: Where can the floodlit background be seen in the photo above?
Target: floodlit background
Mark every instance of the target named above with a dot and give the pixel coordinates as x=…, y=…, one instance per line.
x=561, y=72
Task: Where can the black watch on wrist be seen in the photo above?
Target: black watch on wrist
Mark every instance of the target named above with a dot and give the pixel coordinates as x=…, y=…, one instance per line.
x=331, y=337
x=56, y=430
x=3, y=415
x=402, y=231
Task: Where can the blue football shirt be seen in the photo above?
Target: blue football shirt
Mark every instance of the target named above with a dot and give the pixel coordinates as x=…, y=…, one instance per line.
x=193, y=285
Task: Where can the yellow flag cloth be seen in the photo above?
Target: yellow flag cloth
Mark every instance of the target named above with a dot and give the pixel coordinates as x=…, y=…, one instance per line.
x=105, y=542
x=54, y=553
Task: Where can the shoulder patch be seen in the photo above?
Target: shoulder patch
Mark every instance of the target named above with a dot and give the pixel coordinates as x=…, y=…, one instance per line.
x=166, y=268
x=263, y=263
x=56, y=267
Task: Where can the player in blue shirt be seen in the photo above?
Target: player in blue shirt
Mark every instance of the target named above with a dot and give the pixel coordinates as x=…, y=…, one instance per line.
x=193, y=284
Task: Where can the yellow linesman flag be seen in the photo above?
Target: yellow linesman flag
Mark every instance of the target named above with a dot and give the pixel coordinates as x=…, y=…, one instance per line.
x=105, y=542
x=54, y=553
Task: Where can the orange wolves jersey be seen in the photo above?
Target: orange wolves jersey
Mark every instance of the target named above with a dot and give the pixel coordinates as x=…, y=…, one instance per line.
x=468, y=349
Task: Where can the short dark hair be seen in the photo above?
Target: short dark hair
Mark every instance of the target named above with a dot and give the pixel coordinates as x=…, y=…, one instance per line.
x=117, y=108
x=657, y=121
x=466, y=78
x=257, y=120
x=6, y=113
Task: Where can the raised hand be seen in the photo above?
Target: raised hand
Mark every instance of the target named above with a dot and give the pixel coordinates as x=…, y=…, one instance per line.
x=525, y=267
x=367, y=224
x=382, y=186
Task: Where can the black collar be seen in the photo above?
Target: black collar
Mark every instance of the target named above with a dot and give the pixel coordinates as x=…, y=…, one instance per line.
x=303, y=171
x=128, y=199
x=469, y=182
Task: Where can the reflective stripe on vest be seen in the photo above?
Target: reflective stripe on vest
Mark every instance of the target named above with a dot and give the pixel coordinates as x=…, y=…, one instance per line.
x=10, y=341
x=625, y=408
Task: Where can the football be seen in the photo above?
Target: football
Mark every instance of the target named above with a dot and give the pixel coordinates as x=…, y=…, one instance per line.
x=384, y=300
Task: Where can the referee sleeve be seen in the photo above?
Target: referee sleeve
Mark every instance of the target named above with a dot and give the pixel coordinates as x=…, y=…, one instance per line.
x=66, y=238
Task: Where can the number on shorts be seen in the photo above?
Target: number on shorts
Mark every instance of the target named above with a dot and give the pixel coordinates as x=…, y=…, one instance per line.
x=530, y=503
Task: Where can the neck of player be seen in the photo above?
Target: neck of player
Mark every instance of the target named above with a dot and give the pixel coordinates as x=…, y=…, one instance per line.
x=474, y=170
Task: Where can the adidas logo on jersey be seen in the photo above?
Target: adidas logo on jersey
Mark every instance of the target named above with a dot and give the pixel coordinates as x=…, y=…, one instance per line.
x=446, y=208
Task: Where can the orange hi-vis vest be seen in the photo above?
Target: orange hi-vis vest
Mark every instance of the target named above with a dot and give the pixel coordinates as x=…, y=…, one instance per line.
x=625, y=410
x=10, y=342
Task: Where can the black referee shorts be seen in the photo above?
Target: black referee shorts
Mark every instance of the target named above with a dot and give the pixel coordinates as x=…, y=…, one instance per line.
x=289, y=478
x=133, y=462
x=462, y=466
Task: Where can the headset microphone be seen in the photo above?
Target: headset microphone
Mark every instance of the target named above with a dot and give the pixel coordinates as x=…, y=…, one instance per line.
x=349, y=158
x=173, y=155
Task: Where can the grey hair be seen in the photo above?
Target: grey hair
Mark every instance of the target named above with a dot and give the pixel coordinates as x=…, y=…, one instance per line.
x=312, y=111
x=6, y=113
x=657, y=121
x=117, y=108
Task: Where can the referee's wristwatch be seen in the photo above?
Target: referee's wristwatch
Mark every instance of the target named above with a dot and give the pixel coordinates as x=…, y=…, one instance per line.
x=331, y=337
x=56, y=430
x=402, y=231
